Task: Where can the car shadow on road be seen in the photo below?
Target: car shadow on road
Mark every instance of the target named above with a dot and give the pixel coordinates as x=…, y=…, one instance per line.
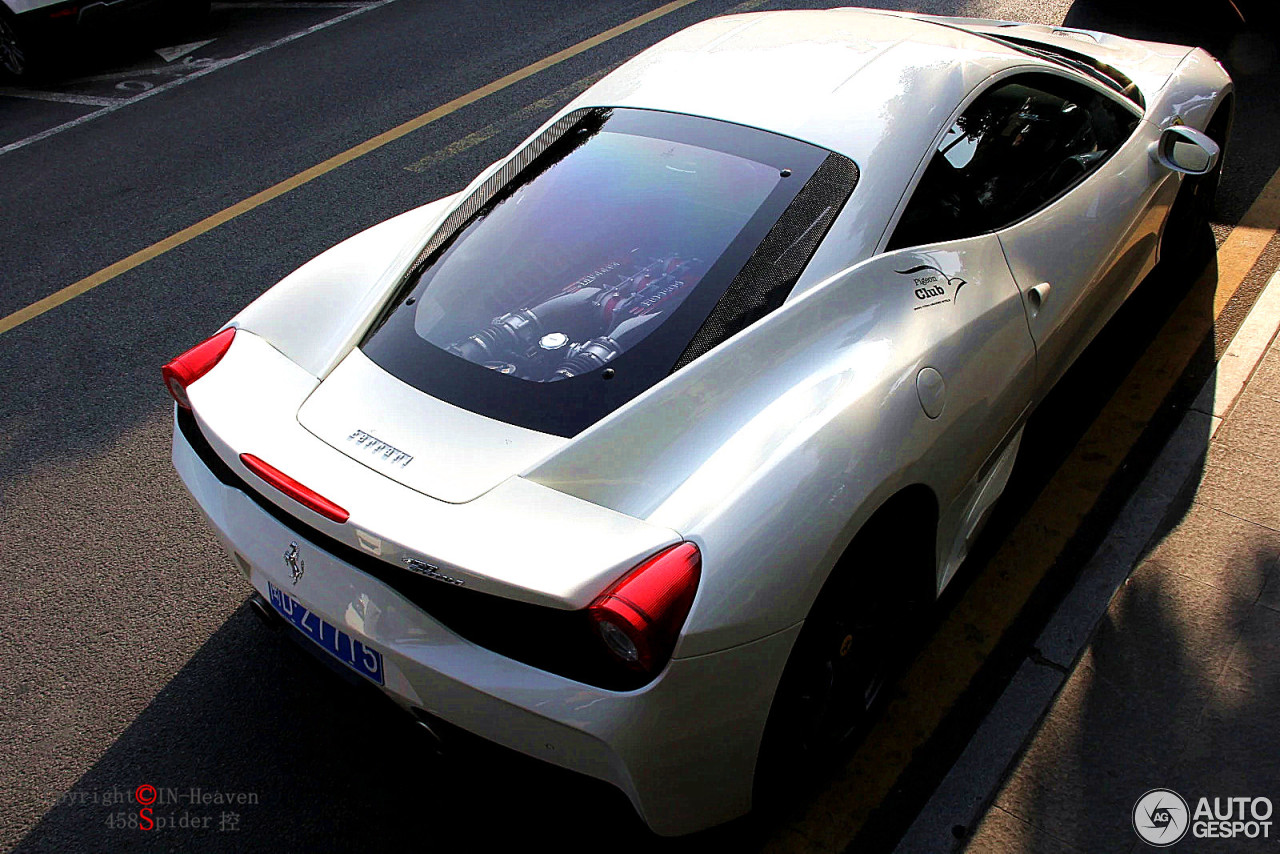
x=1177, y=689
x=324, y=766
x=255, y=744
x=1178, y=684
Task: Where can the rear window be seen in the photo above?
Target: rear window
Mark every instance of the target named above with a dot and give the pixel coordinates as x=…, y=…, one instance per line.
x=583, y=279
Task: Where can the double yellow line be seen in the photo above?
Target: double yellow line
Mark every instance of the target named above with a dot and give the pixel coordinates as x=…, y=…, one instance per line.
x=209, y=223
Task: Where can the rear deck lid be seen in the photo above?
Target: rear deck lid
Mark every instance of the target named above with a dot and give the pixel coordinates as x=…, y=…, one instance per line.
x=428, y=445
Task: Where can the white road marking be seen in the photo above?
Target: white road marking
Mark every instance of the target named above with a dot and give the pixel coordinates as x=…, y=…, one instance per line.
x=183, y=67
x=61, y=97
x=1243, y=355
x=110, y=106
x=169, y=54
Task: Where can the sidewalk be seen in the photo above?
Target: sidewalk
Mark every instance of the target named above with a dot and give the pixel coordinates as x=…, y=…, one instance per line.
x=1160, y=668
x=1179, y=685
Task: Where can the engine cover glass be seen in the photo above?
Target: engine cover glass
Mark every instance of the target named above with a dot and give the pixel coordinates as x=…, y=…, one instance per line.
x=592, y=268
x=573, y=269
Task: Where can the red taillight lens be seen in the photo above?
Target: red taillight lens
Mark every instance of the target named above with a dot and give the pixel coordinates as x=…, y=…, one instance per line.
x=639, y=618
x=195, y=363
x=290, y=487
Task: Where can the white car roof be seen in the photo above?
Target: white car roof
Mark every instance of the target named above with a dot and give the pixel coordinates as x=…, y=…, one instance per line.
x=872, y=86
x=845, y=79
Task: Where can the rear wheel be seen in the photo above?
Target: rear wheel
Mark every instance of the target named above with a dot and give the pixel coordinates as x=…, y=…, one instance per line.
x=845, y=654
x=15, y=49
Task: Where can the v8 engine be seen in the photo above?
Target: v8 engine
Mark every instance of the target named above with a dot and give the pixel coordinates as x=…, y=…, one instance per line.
x=585, y=325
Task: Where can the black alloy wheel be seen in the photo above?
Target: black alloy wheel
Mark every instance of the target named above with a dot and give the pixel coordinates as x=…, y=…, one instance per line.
x=841, y=667
x=15, y=54
x=848, y=650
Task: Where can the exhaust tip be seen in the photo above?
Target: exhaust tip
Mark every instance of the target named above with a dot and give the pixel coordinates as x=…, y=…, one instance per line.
x=264, y=611
x=435, y=743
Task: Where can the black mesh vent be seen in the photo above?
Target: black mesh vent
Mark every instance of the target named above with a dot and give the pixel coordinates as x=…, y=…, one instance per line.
x=772, y=270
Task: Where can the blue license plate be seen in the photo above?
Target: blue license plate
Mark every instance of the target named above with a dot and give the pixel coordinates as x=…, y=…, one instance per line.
x=351, y=652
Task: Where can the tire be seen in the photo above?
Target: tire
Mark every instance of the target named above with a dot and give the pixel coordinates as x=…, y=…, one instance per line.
x=847, y=651
x=1219, y=130
x=1192, y=211
x=16, y=50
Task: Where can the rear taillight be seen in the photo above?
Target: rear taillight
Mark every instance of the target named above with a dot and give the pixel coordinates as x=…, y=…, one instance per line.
x=195, y=363
x=290, y=487
x=639, y=618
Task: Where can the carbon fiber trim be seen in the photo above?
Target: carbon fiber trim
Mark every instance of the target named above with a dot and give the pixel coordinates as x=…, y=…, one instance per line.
x=492, y=185
x=772, y=270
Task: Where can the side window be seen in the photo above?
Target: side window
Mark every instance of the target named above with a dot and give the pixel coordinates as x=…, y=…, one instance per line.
x=1019, y=146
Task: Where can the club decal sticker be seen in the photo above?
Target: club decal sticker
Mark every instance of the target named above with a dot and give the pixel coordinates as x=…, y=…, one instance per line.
x=931, y=285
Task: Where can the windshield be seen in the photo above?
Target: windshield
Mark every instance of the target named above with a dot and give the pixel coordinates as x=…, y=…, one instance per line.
x=598, y=261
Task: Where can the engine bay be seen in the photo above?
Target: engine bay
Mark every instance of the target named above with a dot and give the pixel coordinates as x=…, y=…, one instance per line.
x=578, y=328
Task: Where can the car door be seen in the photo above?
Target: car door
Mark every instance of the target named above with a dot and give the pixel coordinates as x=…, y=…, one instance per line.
x=969, y=320
x=1056, y=169
x=1071, y=206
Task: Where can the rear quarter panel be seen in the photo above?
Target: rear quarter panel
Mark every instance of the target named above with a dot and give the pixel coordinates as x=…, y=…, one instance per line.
x=1193, y=92
x=772, y=450
x=315, y=315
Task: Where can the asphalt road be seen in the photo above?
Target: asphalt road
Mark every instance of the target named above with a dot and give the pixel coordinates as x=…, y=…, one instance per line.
x=131, y=657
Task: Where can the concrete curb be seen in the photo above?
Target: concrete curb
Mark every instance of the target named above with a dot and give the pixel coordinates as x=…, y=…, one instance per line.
x=971, y=784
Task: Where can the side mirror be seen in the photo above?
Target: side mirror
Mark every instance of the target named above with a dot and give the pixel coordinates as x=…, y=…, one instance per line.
x=1186, y=150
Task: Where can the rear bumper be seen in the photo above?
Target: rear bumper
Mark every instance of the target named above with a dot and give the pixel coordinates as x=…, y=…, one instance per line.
x=104, y=12
x=682, y=748
x=52, y=22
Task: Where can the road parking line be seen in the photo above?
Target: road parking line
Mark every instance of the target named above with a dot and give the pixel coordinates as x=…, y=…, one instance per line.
x=976, y=623
x=209, y=223
x=1244, y=245
x=209, y=69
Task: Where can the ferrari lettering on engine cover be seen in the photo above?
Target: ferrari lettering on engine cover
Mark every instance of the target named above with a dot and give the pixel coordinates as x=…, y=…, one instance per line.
x=377, y=447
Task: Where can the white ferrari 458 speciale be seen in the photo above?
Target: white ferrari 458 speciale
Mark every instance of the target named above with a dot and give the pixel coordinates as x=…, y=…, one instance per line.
x=636, y=454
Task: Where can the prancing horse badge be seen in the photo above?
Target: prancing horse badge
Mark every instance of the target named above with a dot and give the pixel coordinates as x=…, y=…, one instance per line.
x=294, y=562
